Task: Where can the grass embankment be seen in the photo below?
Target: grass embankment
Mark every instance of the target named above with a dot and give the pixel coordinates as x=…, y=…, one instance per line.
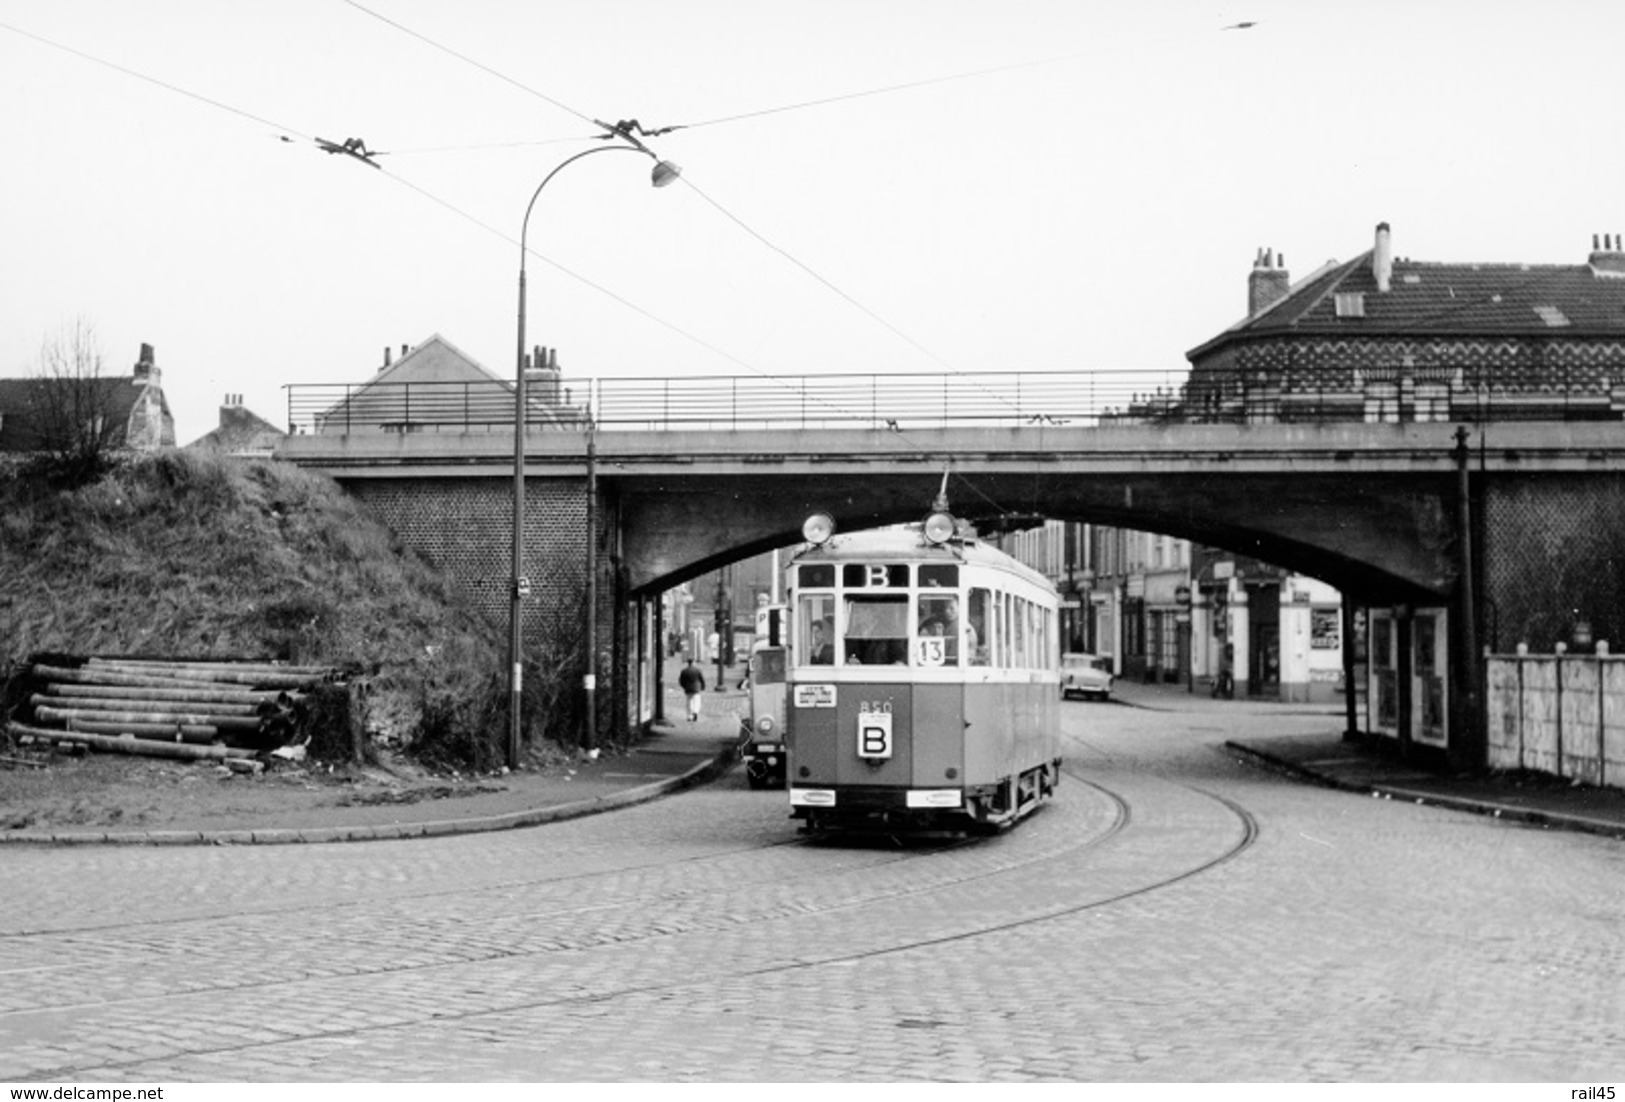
x=192, y=555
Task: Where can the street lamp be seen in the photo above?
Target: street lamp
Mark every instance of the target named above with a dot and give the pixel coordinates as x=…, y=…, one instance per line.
x=663, y=173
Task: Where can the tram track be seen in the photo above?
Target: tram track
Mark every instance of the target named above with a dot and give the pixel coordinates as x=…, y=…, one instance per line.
x=125, y=937
x=1118, y=822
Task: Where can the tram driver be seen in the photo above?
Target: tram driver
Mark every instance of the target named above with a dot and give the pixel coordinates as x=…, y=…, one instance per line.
x=823, y=646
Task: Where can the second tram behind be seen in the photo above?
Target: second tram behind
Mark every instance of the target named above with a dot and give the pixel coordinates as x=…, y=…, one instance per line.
x=921, y=681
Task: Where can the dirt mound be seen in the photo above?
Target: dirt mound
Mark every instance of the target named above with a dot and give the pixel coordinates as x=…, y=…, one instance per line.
x=183, y=554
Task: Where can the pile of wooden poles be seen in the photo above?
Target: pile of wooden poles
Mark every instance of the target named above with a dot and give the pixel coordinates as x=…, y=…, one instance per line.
x=171, y=708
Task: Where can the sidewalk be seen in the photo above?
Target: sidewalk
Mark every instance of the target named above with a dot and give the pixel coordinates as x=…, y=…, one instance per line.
x=676, y=755
x=1323, y=755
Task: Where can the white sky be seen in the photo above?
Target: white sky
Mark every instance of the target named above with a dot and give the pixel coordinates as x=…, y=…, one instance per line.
x=1095, y=203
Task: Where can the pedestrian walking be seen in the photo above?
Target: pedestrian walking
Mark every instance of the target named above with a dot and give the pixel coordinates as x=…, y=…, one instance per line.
x=692, y=682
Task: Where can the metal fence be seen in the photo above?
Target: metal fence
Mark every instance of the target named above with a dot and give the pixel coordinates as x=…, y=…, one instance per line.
x=1150, y=396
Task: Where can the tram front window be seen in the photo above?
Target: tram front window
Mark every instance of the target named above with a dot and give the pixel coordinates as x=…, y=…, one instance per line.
x=876, y=631
x=815, y=630
x=939, y=616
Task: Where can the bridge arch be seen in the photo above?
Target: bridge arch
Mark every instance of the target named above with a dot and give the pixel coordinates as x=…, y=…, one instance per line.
x=1381, y=544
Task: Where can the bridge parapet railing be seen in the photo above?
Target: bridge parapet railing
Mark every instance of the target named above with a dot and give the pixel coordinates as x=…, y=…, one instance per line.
x=740, y=402
x=853, y=400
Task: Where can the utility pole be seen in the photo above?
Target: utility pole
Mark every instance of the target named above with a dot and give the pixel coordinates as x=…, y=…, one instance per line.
x=720, y=619
x=1468, y=722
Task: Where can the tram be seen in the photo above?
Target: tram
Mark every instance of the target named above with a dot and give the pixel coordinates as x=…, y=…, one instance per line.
x=761, y=734
x=922, y=688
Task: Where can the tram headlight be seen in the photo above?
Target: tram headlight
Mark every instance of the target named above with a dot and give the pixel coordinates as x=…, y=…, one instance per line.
x=765, y=725
x=939, y=527
x=818, y=528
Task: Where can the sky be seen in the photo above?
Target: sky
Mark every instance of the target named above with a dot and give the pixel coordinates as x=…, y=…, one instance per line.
x=868, y=185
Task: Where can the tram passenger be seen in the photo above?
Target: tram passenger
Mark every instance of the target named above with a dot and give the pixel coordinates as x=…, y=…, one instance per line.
x=823, y=647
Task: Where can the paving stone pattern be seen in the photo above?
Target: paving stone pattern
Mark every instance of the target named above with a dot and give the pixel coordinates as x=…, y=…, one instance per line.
x=1177, y=914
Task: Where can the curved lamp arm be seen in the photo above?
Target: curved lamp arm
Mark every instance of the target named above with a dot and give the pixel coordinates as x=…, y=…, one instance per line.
x=663, y=173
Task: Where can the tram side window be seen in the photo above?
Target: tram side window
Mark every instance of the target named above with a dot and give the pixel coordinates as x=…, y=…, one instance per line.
x=876, y=630
x=1005, y=649
x=981, y=634
x=1018, y=633
x=815, y=630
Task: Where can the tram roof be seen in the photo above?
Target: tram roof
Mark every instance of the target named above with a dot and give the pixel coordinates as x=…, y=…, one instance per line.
x=907, y=544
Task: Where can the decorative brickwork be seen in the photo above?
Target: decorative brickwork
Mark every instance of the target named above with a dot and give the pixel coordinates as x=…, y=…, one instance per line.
x=1390, y=378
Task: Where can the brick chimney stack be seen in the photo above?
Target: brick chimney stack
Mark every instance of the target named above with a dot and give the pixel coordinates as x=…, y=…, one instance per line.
x=542, y=374
x=1382, y=259
x=1268, y=282
x=1607, y=255
x=146, y=367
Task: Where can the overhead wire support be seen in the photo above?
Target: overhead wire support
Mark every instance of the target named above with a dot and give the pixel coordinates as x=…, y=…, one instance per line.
x=353, y=147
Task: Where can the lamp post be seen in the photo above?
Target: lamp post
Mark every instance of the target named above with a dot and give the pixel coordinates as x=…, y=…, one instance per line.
x=663, y=173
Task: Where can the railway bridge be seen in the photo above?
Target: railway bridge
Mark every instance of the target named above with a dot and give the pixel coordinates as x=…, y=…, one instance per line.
x=1509, y=530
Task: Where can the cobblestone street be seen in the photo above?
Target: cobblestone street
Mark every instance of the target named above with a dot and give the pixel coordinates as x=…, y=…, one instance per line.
x=1175, y=915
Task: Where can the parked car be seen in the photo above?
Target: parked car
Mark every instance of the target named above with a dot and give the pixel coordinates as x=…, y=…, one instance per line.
x=1086, y=675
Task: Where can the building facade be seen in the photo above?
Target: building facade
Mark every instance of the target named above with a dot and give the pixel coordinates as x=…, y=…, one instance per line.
x=1167, y=611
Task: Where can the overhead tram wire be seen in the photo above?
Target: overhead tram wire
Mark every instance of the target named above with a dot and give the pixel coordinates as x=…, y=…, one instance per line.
x=657, y=131
x=916, y=345
x=116, y=67
x=418, y=150
x=909, y=445
x=971, y=74
x=283, y=133
x=426, y=40
x=718, y=206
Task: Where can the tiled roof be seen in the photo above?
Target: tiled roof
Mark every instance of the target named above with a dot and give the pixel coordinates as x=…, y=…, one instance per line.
x=18, y=428
x=241, y=431
x=1433, y=300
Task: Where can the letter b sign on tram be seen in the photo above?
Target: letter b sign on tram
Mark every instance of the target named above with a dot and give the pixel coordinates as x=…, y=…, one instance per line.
x=874, y=734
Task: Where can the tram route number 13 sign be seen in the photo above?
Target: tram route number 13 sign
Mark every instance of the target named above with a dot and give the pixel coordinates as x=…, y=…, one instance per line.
x=874, y=734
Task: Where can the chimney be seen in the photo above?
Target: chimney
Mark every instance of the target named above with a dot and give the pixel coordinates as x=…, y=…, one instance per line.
x=146, y=367
x=389, y=356
x=1609, y=258
x=553, y=376
x=1382, y=259
x=1268, y=282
